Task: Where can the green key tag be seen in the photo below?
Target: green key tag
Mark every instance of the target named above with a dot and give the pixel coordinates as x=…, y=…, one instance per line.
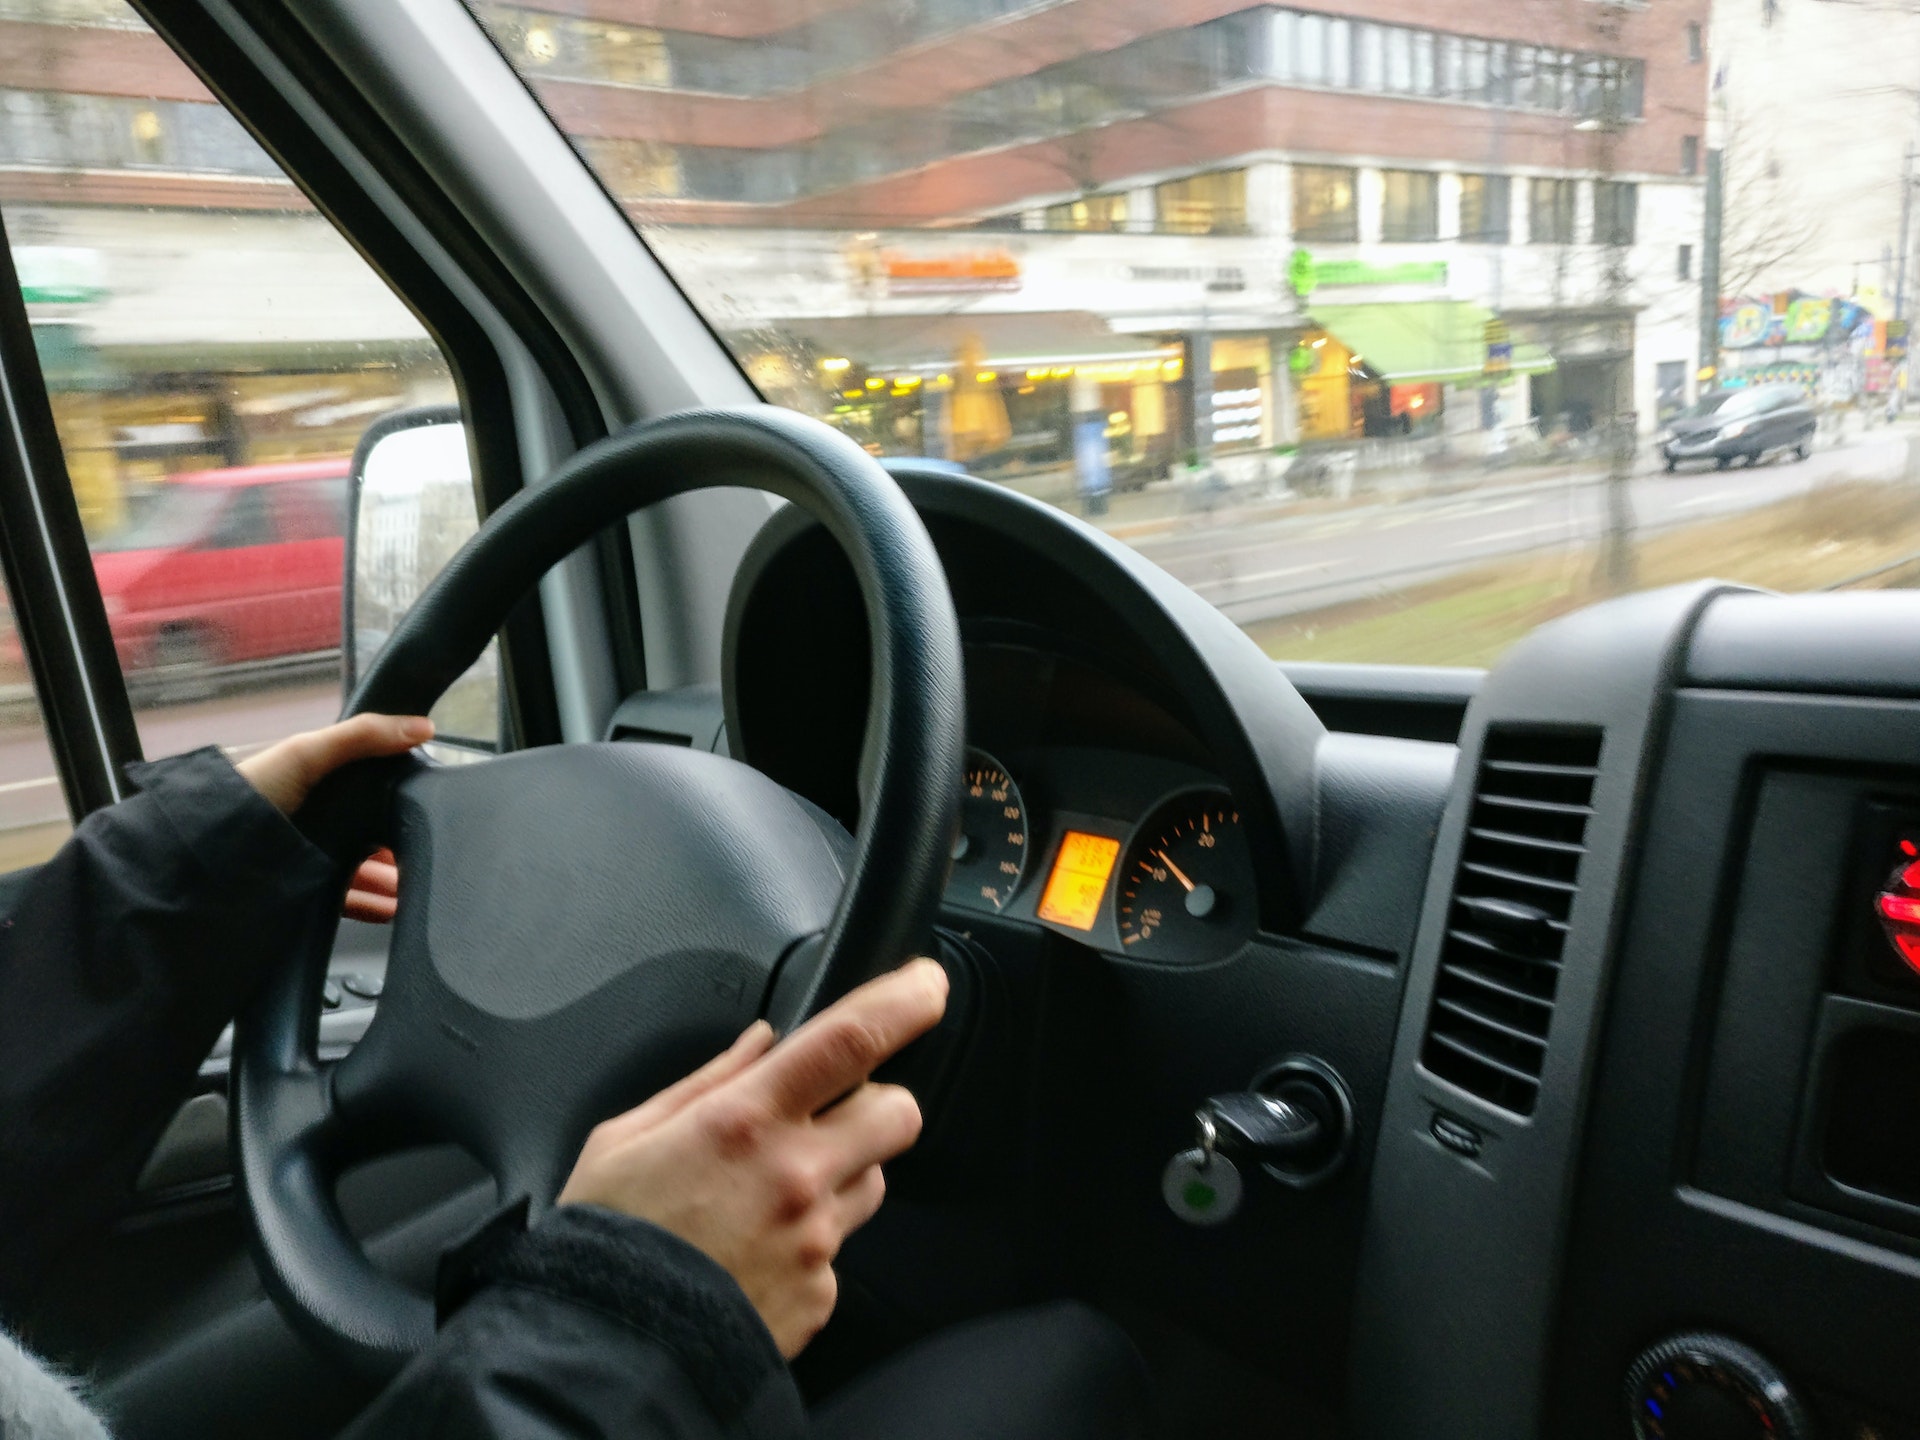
x=1201, y=1189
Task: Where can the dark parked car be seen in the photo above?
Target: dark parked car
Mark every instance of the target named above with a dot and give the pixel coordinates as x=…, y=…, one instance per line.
x=1727, y=425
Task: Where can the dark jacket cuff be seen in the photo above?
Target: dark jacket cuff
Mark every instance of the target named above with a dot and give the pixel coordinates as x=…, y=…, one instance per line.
x=228, y=826
x=654, y=1282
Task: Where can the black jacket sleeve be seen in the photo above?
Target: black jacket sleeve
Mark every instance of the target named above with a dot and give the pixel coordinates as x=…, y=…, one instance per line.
x=119, y=963
x=592, y=1324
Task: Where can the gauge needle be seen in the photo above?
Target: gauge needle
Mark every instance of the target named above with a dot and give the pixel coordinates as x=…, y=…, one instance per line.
x=1178, y=873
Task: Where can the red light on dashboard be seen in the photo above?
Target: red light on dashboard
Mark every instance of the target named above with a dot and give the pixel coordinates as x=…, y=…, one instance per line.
x=1901, y=909
x=1898, y=906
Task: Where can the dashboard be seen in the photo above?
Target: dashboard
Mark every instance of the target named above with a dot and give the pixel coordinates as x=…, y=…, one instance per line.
x=1651, y=1193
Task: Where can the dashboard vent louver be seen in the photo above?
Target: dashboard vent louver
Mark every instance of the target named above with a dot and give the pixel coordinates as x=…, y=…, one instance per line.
x=1519, y=869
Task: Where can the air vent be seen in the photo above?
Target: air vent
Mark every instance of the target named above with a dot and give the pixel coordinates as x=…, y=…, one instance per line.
x=1519, y=869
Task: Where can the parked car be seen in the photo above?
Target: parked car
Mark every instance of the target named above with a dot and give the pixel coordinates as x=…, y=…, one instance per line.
x=1727, y=425
x=221, y=567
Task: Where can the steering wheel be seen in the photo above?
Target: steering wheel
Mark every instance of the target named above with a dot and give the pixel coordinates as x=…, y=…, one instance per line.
x=582, y=924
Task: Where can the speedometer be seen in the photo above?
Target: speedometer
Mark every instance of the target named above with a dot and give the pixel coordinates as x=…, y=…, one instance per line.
x=1187, y=886
x=990, y=852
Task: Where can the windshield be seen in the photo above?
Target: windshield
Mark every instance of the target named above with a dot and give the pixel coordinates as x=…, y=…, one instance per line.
x=168, y=518
x=1368, y=326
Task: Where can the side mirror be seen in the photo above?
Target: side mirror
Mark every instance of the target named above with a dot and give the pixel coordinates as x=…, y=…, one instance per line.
x=410, y=507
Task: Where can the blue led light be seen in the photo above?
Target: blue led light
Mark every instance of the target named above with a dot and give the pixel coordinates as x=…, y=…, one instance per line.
x=1658, y=1414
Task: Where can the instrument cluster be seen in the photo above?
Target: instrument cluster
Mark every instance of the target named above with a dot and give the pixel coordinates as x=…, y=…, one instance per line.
x=1135, y=855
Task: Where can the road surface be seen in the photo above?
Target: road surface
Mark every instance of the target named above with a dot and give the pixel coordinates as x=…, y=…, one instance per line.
x=1254, y=563
x=1258, y=568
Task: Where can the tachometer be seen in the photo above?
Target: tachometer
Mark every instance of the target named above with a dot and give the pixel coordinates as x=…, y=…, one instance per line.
x=990, y=853
x=1187, y=887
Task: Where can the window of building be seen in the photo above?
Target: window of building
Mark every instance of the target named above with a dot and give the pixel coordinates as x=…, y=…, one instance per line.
x=1370, y=58
x=1090, y=212
x=1323, y=203
x=1689, y=154
x=1615, y=207
x=1683, y=263
x=1452, y=82
x=1550, y=210
x=1486, y=208
x=1211, y=204
x=1520, y=59
x=1425, y=76
x=634, y=169
x=1696, y=49
x=1340, y=54
x=1310, y=49
x=1399, y=61
x=567, y=47
x=1410, y=207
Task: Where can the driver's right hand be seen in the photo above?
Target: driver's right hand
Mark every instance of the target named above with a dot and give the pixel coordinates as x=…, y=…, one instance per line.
x=769, y=1156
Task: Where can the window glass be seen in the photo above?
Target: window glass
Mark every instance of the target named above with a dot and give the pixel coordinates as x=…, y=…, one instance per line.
x=33, y=807
x=1213, y=204
x=1323, y=203
x=214, y=350
x=1550, y=211
x=1486, y=208
x=1616, y=205
x=1410, y=205
x=1073, y=250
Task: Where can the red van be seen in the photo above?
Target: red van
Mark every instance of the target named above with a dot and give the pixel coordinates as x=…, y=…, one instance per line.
x=222, y=567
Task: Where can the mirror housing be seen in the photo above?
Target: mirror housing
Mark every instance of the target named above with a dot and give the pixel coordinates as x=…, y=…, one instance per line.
x=411, y=505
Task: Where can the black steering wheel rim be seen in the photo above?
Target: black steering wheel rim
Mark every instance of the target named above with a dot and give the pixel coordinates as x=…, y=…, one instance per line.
x=287, y=1132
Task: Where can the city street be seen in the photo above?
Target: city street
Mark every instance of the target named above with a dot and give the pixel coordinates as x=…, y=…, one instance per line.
x=1255, y=562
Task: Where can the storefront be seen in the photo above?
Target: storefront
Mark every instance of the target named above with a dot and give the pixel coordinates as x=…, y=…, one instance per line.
x=1006, y=395
x=1374, y=371
x=1825, y=344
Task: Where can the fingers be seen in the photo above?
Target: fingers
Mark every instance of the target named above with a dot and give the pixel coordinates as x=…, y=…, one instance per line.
x=859, y=1200
x=868, y=1128
x=284, y=773
x=842, y=1045
x=363, y=737
x=754, y=1042
x=369, y=907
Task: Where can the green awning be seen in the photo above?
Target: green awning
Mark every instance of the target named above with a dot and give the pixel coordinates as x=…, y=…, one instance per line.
x=1424, y=342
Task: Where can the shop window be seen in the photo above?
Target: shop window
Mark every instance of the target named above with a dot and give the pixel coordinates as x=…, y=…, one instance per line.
x=1615, y=208
x=1410, y=207
x=1090, y=212
x=1323, y=203
x=1210, y=204
x=1689, y=154
x=1550, y=210
x=1486, y=208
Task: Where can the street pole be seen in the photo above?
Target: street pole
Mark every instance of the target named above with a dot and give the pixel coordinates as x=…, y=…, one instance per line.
x=1906, y=220
x=1710, y=273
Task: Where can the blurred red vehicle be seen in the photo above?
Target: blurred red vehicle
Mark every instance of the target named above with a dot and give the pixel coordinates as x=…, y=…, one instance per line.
x=224, y=567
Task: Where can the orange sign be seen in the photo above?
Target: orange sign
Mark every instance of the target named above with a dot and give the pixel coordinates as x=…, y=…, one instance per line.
x=964, y=270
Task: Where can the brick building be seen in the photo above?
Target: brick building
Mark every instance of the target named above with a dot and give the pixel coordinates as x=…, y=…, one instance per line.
x=973, y=226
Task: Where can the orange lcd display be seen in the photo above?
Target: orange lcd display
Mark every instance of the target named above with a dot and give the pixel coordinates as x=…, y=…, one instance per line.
x=1079, y=879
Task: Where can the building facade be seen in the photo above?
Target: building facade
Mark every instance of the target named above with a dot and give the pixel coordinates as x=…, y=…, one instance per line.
x=1111, y=236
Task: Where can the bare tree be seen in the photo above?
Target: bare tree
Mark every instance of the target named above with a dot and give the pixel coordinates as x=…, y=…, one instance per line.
x=1764, y=230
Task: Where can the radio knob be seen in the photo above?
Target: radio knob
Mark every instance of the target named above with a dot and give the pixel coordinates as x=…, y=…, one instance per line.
x=1707, y=1387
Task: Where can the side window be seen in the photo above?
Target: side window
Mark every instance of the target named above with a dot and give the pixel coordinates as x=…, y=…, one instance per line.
x=244, y=523
x=196, y=317
x=311, y=510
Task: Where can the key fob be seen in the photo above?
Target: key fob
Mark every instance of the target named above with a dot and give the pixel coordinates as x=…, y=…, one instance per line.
x=1201, y=1189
